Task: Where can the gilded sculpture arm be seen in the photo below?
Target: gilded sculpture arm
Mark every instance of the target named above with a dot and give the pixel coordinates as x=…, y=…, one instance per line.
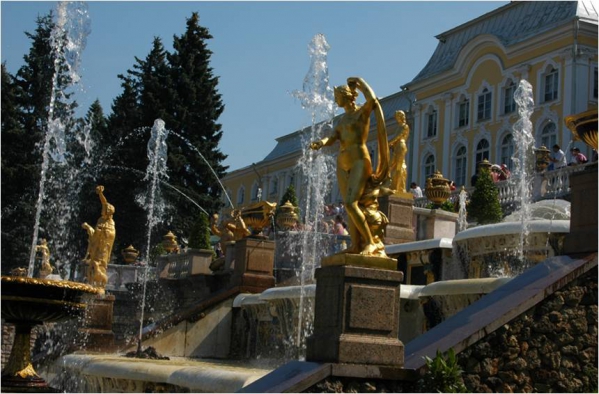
x=326, y=141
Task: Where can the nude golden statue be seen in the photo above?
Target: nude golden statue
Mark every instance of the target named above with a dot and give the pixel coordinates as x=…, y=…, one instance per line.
x=399, y=169
x=358, y=184
x=100, y=241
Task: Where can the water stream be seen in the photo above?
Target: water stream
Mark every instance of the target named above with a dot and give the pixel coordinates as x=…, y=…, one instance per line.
x=317, y=171
x=68, y=39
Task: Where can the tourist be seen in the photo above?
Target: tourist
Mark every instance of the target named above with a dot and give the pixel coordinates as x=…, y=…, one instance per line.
x=577, y=157
x=495, y=171
x=558, y=158
x=504, y=173
x=338, y=228
x=416, y=190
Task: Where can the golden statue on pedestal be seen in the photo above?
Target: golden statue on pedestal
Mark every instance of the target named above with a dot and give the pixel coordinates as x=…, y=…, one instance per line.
x=45, y=269
x=230, y=230
x=100, y=241
x=399, y=170
x=359, y=185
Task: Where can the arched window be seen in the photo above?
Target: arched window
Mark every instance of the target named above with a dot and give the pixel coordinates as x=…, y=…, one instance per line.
x=461, y=161
x=429, y=166
x=549, y=135
x=241, y=195
x=507, y=150
x=482, y=150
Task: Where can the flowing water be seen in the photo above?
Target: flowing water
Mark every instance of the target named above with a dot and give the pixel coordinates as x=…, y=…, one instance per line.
x=523, y=158
x=157, y=155
x=317, y=169
x=462, y=214
x=68, y=39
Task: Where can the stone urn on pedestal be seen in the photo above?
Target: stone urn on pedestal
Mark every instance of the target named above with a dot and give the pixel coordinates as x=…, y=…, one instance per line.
x=437, y=189
x=542, y=158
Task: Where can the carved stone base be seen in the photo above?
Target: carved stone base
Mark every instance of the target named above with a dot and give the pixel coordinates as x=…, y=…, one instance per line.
x=254, y=264
x=97, y=329
x=356, y=318
x=399, y=210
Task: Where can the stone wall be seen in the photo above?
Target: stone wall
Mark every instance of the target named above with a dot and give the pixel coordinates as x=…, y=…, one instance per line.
x=550, y=348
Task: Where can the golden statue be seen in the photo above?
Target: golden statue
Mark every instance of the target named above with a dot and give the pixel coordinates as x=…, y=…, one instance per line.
x=399, y=170
x=230, y=230
x=359, y=185
x=100, y=241
x=46, y=269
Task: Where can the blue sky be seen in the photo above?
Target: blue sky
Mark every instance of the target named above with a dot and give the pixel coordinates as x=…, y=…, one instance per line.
x=260, y=52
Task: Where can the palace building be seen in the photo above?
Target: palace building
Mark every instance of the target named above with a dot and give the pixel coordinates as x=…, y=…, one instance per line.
x=461, y=107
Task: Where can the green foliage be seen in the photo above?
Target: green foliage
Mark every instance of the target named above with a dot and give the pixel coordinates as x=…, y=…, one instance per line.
x=199, y=237
x=443, y=375
x=178, y=87
x=448, y=206
x=484, y=205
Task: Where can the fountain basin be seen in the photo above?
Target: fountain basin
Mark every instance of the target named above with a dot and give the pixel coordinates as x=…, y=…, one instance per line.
x=112, y=373
x=493, y=250
x=27, y=302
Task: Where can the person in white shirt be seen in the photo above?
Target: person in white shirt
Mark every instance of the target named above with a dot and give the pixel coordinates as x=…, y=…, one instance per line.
x=416, y=190
x=558, y=158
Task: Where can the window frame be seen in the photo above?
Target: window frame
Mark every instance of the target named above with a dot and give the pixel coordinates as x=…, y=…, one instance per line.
x=460, y=165
x=551, y=80
x=484, y=106
x=484, y=152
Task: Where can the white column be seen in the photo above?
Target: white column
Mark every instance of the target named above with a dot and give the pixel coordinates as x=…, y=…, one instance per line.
x=447, y=126
x=414, y=169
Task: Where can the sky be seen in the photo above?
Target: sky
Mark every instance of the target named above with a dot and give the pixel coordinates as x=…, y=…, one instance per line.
x=260, y=52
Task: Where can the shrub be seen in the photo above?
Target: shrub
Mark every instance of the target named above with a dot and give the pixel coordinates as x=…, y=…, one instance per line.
x=443, y=375
x=484, y=204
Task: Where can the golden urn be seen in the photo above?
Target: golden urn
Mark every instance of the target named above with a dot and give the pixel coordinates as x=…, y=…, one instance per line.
x=258, y=215
x=130, y=254
x=542, y=158
x=169, y=242
x=584, y=127
x=287, y=218
x=437, y=188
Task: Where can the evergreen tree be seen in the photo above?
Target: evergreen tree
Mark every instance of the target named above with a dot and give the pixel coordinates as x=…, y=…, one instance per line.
x=196, y=109
x=484, y=205
x=290, y=196
x=19, y=174
x=199, y=237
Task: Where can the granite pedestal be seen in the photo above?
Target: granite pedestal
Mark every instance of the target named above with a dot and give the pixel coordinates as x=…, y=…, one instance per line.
x=399, y=210
x=254, y=264
x=97, y=327
x=356, y=317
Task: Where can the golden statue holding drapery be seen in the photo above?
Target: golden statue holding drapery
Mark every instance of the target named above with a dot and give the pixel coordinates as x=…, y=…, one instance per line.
x=399, y=169
x=100, y=241
x=359, y=185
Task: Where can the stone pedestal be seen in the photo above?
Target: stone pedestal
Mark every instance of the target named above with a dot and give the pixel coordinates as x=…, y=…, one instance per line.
x=254, y=263
x=583, y=216
x=399, y=211
x=435, y=223
x=97, y=327
x=356, y=318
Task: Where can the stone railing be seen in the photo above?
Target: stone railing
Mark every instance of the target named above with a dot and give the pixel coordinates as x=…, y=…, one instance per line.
x=555, y=184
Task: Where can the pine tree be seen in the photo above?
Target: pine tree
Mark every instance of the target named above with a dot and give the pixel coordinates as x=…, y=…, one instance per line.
x=484, y=205
x=199, y=237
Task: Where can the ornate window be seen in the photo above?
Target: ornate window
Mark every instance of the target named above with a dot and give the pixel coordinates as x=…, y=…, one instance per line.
x=463, y=112
x=484, y=105
x=550, y=84
x=482, y=150
x=241, y=195
x=461, y=162
x=509, y=104
x=431, y=124
x=549, y=135
x=429, y=166
x=507, y=150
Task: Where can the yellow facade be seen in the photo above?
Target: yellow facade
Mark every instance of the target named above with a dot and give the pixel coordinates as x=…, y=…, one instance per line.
x=459, y=106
